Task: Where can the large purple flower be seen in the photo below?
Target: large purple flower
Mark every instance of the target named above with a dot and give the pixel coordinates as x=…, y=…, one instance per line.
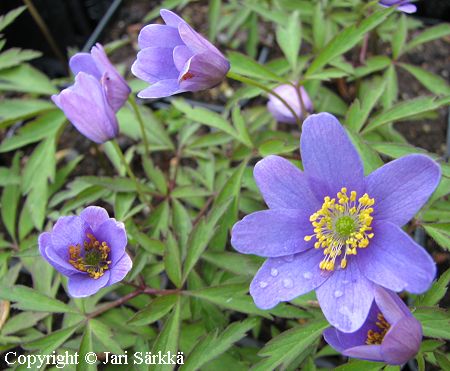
x=403, y=5
x=332, y=229
x=389, y=334
x=98, y=92
x=174, y=59
x=89, y=249
x=290, y=94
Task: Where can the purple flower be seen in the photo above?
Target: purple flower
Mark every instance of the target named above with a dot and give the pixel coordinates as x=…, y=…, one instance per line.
x=402, y=5
x=290, y=94
x=174, y=59
x=98, y=92
x=389, y=334
x=333, y=230
x=89, y=249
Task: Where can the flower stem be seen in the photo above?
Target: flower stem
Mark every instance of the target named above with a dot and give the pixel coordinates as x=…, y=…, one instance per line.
x=251, y=82
x=128, y=169
x=138, y=115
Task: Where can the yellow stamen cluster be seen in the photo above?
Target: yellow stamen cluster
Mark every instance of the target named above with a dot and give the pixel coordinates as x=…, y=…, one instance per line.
x=342, y=226
x=375, y=338
x=95, y=260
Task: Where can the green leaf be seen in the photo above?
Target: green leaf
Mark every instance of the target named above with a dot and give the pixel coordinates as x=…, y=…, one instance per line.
x=236, y=263
x=403, y=110
x=440, y=232
x=85, y=347
x=14, y=56
x=26, y=298
x=167, y=340
x=26, y=79
x=276, y=147
x=157, y=309
x=47, y=344
x=287, y=346
x=105, y=336
x=12, y=110
x=435, y=322
x=8, y=18
x=432, y=82
x=357, y=365
x=241, y=128
x=214, y=10
x=172, y=260
x=443, y=360
x=430, y=34
x=243, y=65
x=399, y=37
x=155, y=175
x=10, y=199
x=371, y=65
x=347, y=39
x=289, y=38
x=319, y=23
x=437, y=291
x=391, y=92
x=371, y=160
x=214, y=345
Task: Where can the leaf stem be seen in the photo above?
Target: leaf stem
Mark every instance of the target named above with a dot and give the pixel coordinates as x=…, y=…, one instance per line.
x=137, y=113
x=252, y=82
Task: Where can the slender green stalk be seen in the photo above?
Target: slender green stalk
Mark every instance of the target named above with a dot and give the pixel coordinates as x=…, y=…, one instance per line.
x=138, y=115
x=129, y=171
x=249, y=81
x=297, y=87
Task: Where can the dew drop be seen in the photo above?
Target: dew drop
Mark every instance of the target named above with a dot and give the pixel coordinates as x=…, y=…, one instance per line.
x=263, y=284
x=338, y=293
x=274, y=272
x=287, y=283
x=307, y=275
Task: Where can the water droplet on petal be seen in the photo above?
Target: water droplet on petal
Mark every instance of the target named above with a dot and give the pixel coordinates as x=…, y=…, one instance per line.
x=338, y=293
x=287, y=283
x=274, y=272
x=263, y=284
x=307, y=275
x=289, y=258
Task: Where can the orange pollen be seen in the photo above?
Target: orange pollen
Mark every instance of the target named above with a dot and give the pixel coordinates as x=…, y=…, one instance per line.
x=187, y=76
x=375, y=338
x=95, y=260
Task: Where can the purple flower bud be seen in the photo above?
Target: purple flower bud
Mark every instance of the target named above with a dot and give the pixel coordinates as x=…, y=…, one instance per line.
x=390, y=333
x=98, y=65
x=403, y=5
x=86, y=106
x=89, y=249
x=99, y=91
x=174, y=58
x=290, y=94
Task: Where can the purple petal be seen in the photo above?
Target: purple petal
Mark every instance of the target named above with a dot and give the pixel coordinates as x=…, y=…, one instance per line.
x=120, y=269
x=346, y=298
x=290, y=94
x=157, y=35
x=402, y=187
x=390, y=304
x=196, y=42
x=61, y=265
x=283, y=279
x=114, y=234
x=331, y=337
x=81, y=285
x=83, y=62
x=329, y=158
x=181, y=54
x=284, y=186
x=154, y=64
x=68, y=231
x=272, y=233
x=170, y=18
x=86, y=106
x=402, y=341
x=160, y=89
x=408, y=8
x=203, y=71
x=94, y=216
x=367, y=352
x=393, y=260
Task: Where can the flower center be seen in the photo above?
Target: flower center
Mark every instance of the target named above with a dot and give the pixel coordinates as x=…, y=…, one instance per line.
x=342, y=227
x=95, y=260
x=374, y=337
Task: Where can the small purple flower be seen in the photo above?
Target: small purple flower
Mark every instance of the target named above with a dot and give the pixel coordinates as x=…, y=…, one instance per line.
x=89, y=249
x=290, y=94
x=402, y=5
x=98, y=92
x=389, y=334
x=331, y=229
x=175, y=58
